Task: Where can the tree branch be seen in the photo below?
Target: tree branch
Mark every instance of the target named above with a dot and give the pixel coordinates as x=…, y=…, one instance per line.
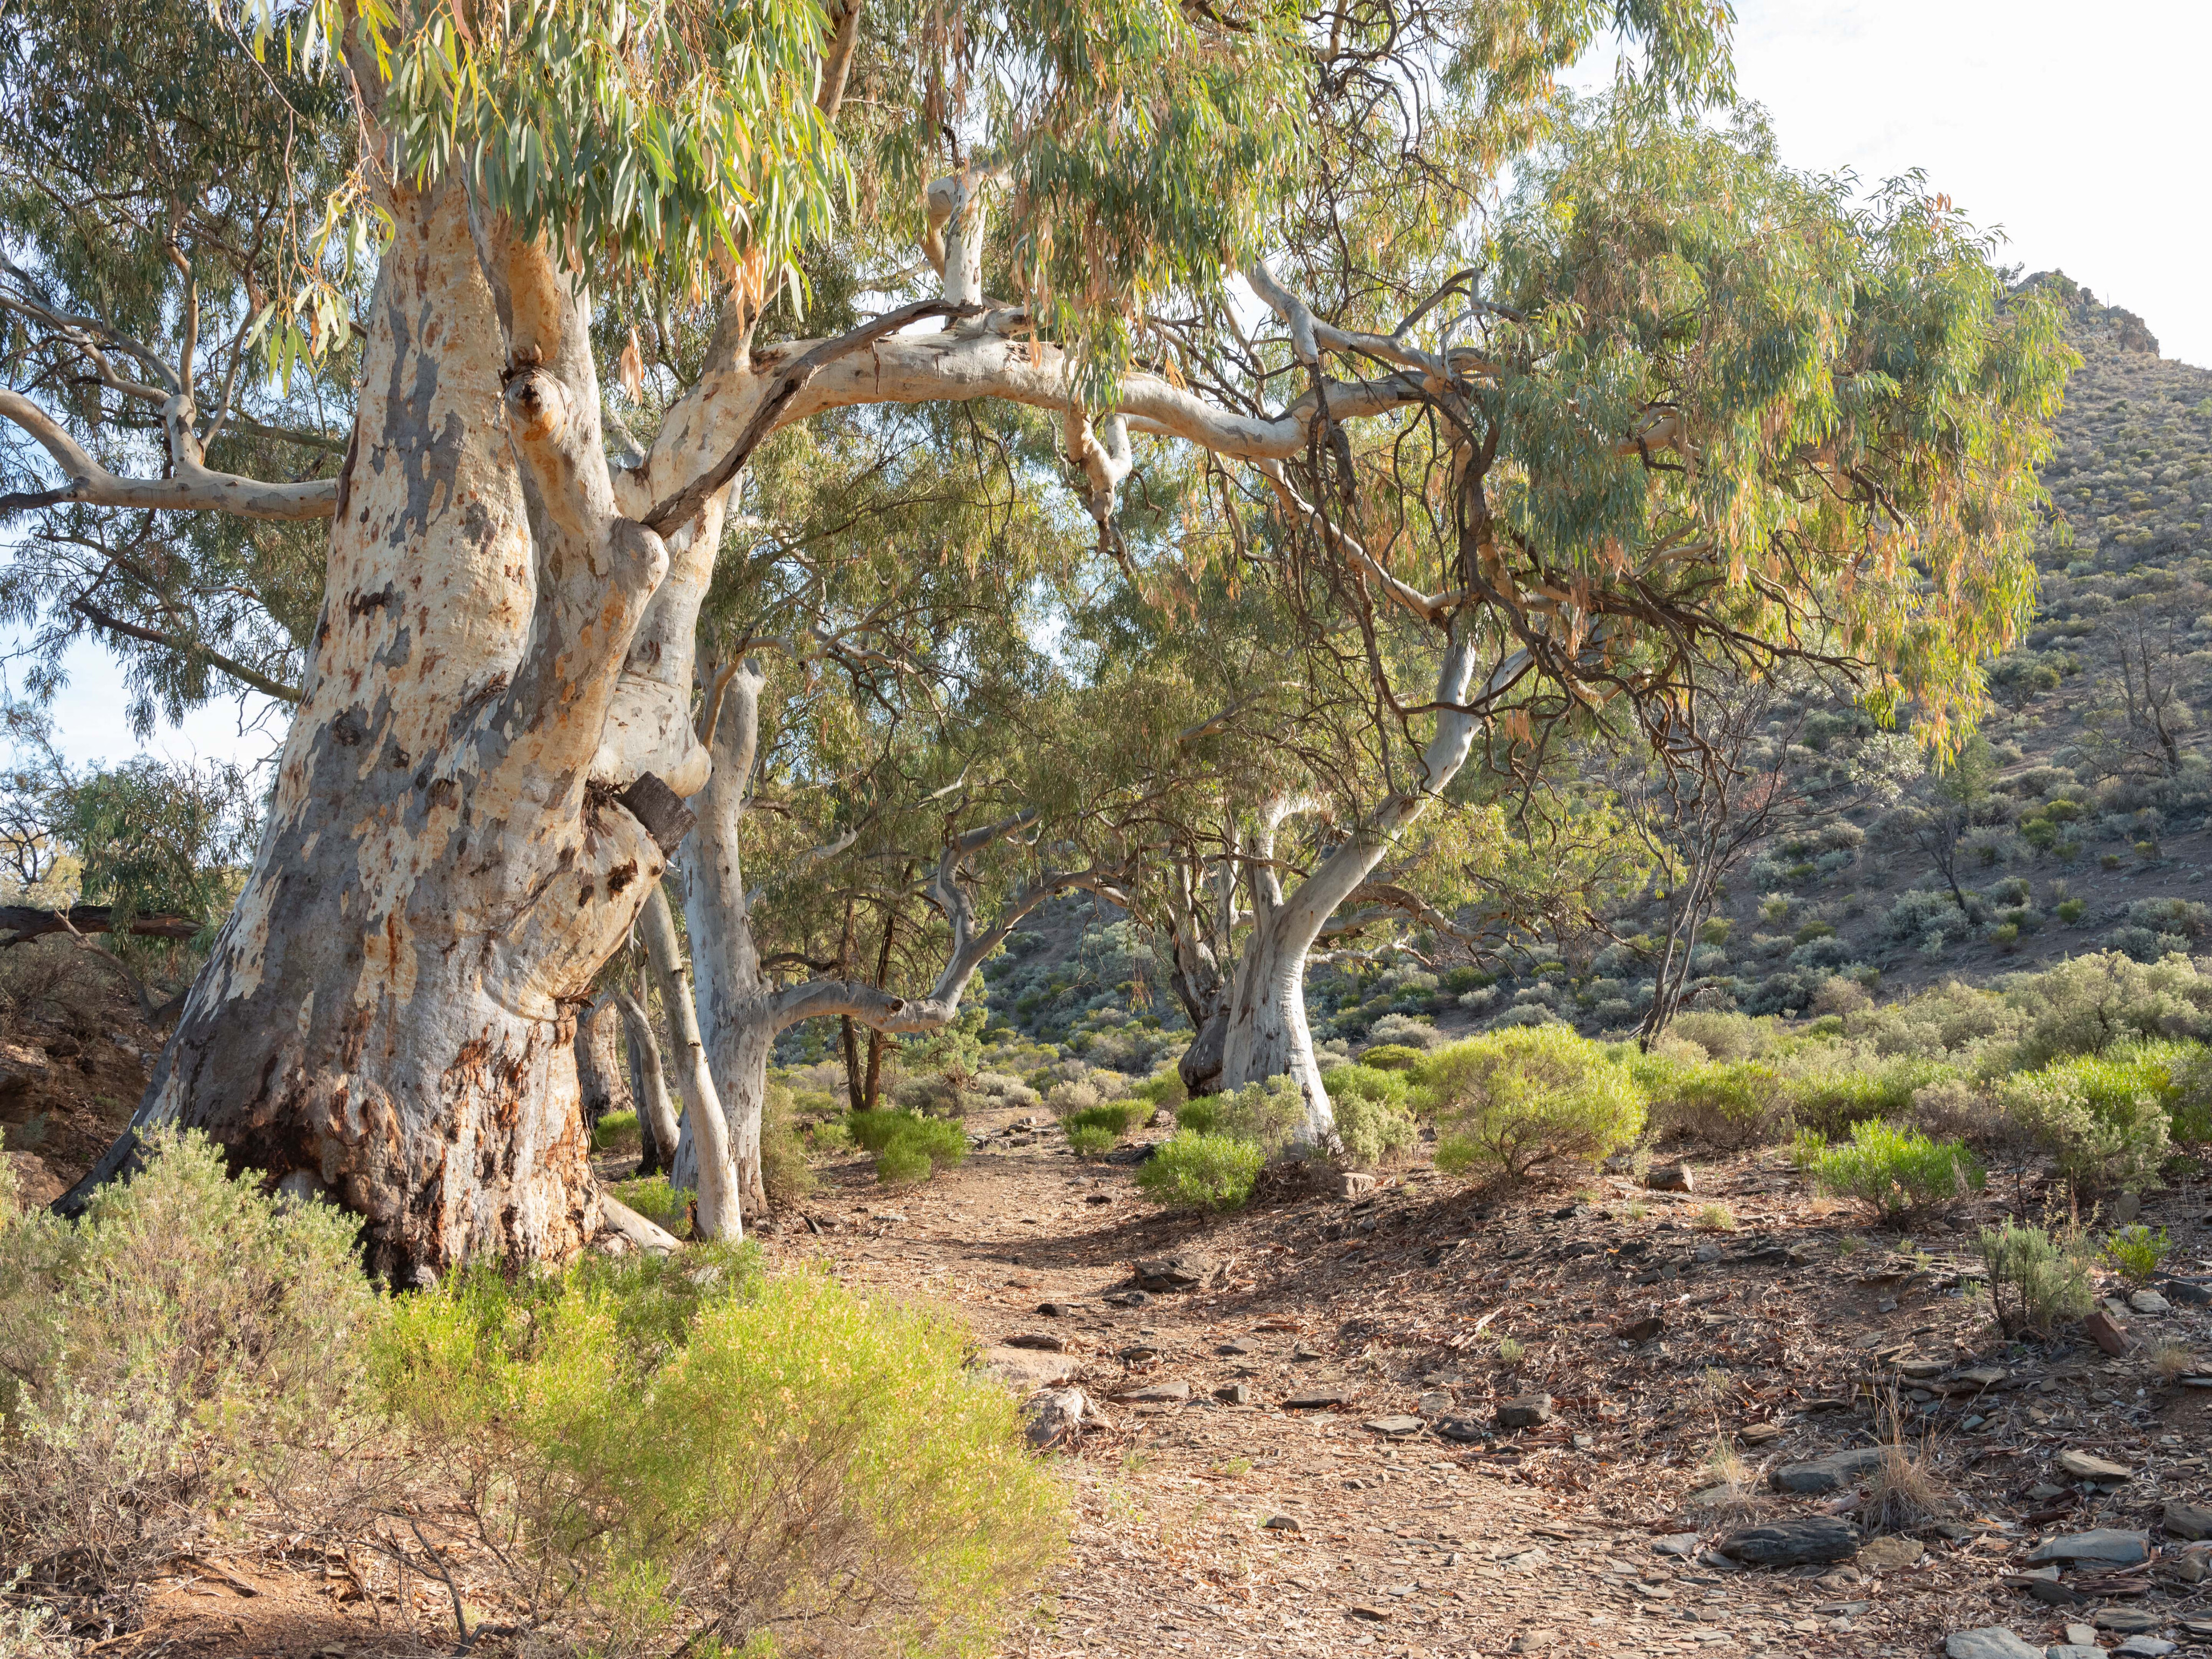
x=194, y=489
x=230, y=666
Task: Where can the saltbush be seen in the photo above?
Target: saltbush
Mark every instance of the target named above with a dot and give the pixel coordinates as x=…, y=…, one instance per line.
x=1371, y=1107
x=1831, y=1101
x=907, y=1146
x=1192, y=1169
x=1116, y=1117
x=1897, y=1172
x=2088, y=1004
x=1268, y=1114
x=2037, y=1281
x=2101, y=1117
x=686, y=1456
x=190, y=1334
x=1511, y=1101
x=1091, y=1139
x=1391, y=1057
x=1730, y=1104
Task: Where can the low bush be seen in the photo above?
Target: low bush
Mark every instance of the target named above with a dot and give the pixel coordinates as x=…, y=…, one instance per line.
x=1391, y=1057
x=1091, y=1139
x=2037, y=1281
x=189, y=1335
x=2101, y=1117
x=1373, y=1129
x=2135, y=1252
x=616, y=1131
x=2089, y=1004
x=1833, y=1101
x=1203, y=1171
x=907, y=1146
x=1115, y=1118
x=686, y=1456
x=1511, y=1101
x=785, y=1171
x=1268, y=1114
x=1897, y=1172
x=1722, y=1103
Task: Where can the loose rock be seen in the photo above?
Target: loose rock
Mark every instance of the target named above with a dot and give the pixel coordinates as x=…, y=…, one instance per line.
x=2107, y=1332
x=2107, y=1545
x=2085, y=1466
x=2187, y=1520
x=1313, y=1399
x=1889, y=1553
x=2149, y=1302
x=1156, y=1393
x=1794, y=1543
x=1172, y=1272
x=1671, y=1178
x=1992, y=1642
x=1531, y=1411
x=1830, y=1473
x=1057, y=1417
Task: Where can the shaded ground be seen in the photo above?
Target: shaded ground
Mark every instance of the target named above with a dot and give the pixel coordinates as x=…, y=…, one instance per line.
x=1410, y=1544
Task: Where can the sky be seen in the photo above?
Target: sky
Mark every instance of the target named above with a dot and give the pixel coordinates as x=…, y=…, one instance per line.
x=2079, y=129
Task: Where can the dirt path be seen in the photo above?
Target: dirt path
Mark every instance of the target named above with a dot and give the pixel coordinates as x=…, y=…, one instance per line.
x=1550, y=1539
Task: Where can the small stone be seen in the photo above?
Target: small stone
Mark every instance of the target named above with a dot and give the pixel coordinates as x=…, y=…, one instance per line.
x=1436, y=1403
x=1058, y=1309
x=1127, y=1299
x=1056, y=1417
x=1234, y=1345
x=1759, y=1434
x=1830, y=1473
x=2126, y=1621
x=1370, y=1615
x=1531, y=1411
x=1675, y=1543
x=1172, y=1272
x=1707, y=1253
x=2106, y=1332
x=1355, y=1184
x=1992, y=1641
x=1670, y=1178
x=1465, y=1429
x=2107, y=1545
x=2149, y=1302
x=1044, y=1341
x=1099, y=1198
x=2081, y=1635
x=2194, y=1296
x=2187, y=1519
x=1308, y=1399
x=1793, y=1543
x=1156, y=1393
x=1395, y=1426
x=1642, y=1330
x=1282, y=1523
x=1237, y=1393
x=2073, y=1650
x=2083, y=1465
x=2144, y=1647
x=1136, y=1354
x=1888, y=1554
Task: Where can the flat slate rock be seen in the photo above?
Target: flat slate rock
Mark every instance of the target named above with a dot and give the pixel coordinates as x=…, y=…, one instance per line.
x=1465, y=1429
x=1758, y=1434
x=1023, y=1367
x=1156, y=1393
x=2127, y=1621
x=1044, y=1341
x=1172, y=1272
x=1312, y=1399
x=1888, y=1553
x=2187, y=1519
x=1830, y=1473
x=1393, y=1425
x=1793, y=1543
x=2149, y=1302
x=2087, y=1465
x=1992, y=1641
x=2144, y=1647
x=2108, y=1545
x=1531, y=1411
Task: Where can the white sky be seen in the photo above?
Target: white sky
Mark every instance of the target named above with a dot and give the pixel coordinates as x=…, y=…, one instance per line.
x=2080, y=128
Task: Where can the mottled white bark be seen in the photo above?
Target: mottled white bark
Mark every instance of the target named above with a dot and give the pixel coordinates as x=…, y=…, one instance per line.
x=702, y=1163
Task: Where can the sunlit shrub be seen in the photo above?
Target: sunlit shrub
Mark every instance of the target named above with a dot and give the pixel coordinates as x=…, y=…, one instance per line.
x=1897, y=1172
x=1511, y=1101
x=1202, y=1172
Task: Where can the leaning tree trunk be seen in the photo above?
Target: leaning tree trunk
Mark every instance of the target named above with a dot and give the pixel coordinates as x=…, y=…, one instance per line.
x=1266, y=1034
x=601, y=1085
x=385, y=1016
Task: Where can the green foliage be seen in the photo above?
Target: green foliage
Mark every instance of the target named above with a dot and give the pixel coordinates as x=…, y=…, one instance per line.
x=1266, y=1115
x=2070, y=911
x=2135, y=1252
x=1831, y=1101
x=652, y=1197
x=2037, y=1282
x=692, y=1450
x=1194, y=1170
x=616, y=1131
x=2102, y=1117
x=1115, y=1118
x=1807, y=1150
x=2088, y=1004
x=785, y=1171
x=1372, y=1109
x=1512, y=1101
x=1391, y=1057
x=190, y=1332
x=1091, y=1139
x=1897, y=1172
x=155, y=838
x=1737, y=1103
x=907, y=1146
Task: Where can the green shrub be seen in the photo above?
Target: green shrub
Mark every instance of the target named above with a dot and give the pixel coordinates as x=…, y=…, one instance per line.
x=687, y=1455
x=2089, y=1004
x=616, y=1131
x=1268, y=1114
x=1116, y=1118
x=1165, y=1090
x=2102, y=1118
x=908, y=1145
x=2037, y=1282
x=1091, y=1139
x=1897, y=1172
x=785, y=1171
x=1808, y=1149
x=1203, y=1171
x=1833, y=1101
x=2070, y=911
x=1392, y=1057
x=1512, y=1101
x=652, y=1197
x=1373, y=1114
x=1724, y=1104
x=191, y=1333
x=2135, y=1252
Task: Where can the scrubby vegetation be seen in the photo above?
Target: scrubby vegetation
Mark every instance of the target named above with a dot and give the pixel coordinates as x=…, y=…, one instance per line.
x=655, y=1454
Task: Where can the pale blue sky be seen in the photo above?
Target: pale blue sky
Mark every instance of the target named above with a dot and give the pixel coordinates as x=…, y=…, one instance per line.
x=2081, y=129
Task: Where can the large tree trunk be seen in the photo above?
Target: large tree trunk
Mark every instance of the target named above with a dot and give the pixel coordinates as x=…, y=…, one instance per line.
x=383, y=1016
x=1266, y=1034
x=601, y=1086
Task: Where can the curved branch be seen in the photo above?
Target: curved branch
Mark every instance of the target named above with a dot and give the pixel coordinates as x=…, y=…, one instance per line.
x=230, y=666
x=194, y=489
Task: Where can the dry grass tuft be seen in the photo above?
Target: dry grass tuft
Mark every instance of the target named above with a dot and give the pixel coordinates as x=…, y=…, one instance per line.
x=1908, y=1490
x=2172, y=1359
